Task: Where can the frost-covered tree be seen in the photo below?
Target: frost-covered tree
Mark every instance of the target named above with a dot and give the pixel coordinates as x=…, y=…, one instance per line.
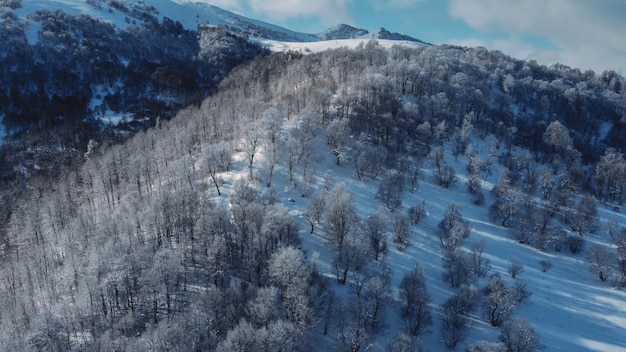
x=405, y=343
x=288, y=270
x=507, y=205
x=239, y=339
x=557, y=138
x=452, y=229
x=611, y=175
x=265, y=307
x=338, y=137
x=499, y=301
x=486, y=346
x=368, y=160
x=341, y=214
x=315, y=209
x=519, y=336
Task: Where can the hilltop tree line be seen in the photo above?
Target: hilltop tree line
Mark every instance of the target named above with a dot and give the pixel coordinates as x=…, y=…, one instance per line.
x=150, y=245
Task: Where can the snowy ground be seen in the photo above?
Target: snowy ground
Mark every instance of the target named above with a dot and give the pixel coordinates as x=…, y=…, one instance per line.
x=316, y=47
x=569, y=308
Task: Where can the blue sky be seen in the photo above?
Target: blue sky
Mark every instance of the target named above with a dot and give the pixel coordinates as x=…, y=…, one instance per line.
x=587, y=34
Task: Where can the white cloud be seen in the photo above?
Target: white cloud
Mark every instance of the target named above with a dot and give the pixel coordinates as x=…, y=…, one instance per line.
x=395, y=4
x=588, y=34
x=326, y=11
x=227, y=4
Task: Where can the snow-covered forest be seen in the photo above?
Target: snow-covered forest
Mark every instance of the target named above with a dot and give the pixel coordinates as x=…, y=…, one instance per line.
x=67, y=78
x=368, y=199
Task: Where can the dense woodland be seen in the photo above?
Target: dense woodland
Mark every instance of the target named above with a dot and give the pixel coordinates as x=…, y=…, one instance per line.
x=179, y=239
x=56, y=89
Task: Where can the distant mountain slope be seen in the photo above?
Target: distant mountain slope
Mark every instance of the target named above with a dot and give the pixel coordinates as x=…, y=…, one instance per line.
x=72, y=70
x=192, y=13
x=342, y=31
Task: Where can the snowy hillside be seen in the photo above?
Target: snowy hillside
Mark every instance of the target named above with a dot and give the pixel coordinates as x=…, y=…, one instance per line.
x=338, y=195
x=354, y=199
x=191, y=14
x=319, y=46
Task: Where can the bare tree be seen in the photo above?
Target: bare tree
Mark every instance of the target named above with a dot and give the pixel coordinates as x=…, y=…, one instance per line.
x=456, y=266
x=315, y=210
x=415, y=300
x=272, y=123
x=401, y=228
x=515, y=267
x=455, y=326
x=390, y=189
x=214, y=162
x=480, y=264
x=252, y=139
x=443, y=173
x=417, y=213
x=507, y=205
x=601, y=261
x=352, y=256
x=545, y=265
x=377, y=297
x=586, y=219
x=376, y=228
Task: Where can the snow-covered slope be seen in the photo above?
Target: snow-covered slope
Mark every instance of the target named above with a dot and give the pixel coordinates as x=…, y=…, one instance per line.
x=192, y=13
x=316, y=47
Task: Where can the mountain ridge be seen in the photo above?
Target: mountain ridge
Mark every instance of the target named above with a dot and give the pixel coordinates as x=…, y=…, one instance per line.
x=192, y=14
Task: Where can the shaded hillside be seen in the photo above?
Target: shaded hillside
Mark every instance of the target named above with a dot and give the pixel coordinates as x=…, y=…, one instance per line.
x=188, y=235
x=67, y=78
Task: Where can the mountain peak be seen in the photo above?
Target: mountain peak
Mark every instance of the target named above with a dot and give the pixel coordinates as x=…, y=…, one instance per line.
x=383, y=33
x=342, y=31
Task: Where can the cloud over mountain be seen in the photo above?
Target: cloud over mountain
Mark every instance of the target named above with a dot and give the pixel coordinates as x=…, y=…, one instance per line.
x=586, y=34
